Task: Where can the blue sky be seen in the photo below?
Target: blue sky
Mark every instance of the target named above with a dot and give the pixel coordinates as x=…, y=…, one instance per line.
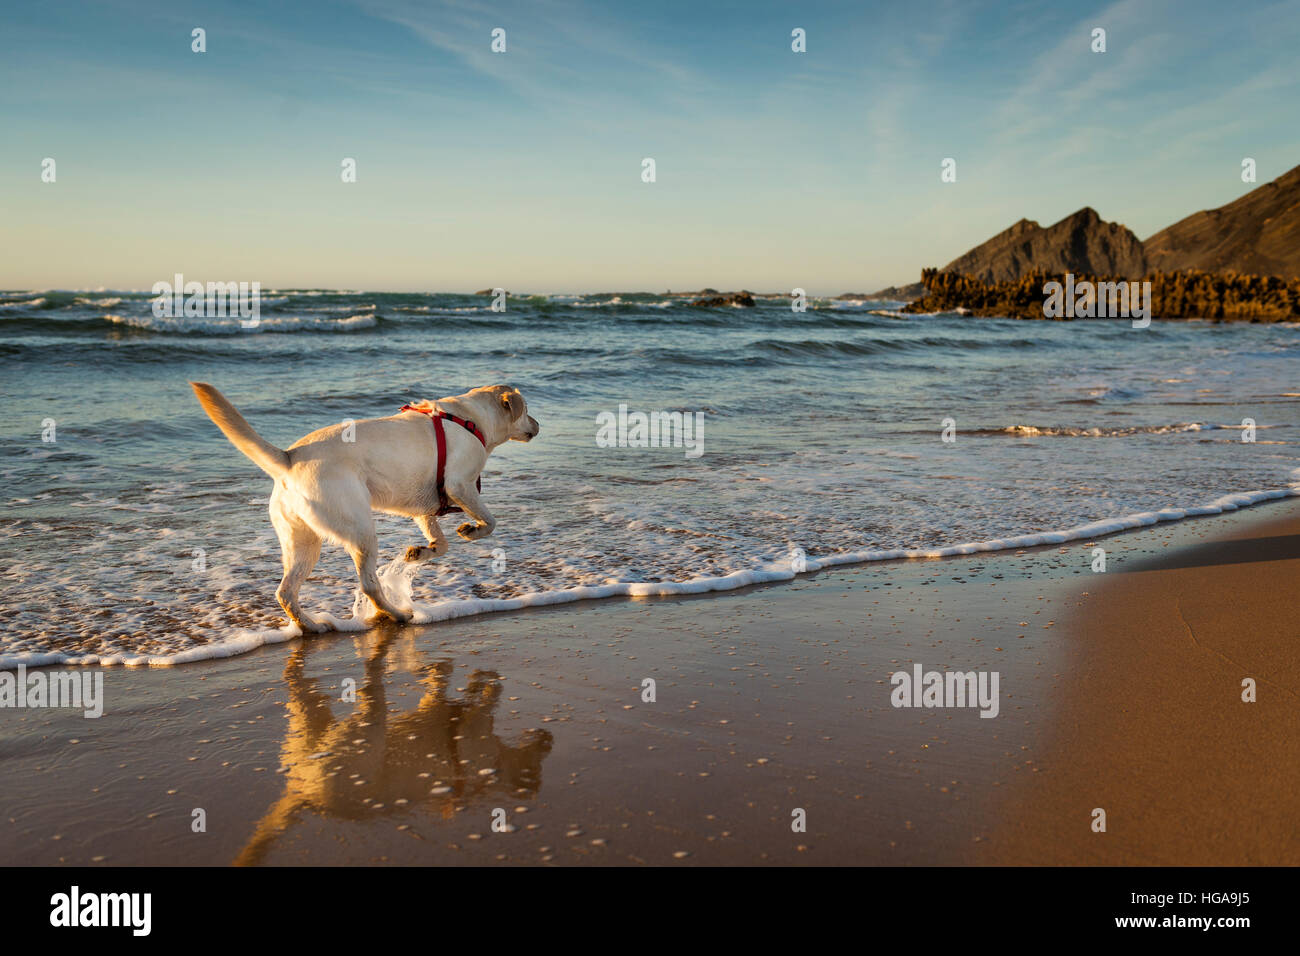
x=522, y=169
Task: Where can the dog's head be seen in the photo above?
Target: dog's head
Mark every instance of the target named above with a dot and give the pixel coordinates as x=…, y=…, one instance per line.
x=520, y=425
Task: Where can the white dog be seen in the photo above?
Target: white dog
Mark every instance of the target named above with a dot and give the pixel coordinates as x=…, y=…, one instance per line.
x=327, y=482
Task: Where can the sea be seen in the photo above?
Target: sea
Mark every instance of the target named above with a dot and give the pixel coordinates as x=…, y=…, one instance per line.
x=134, y=534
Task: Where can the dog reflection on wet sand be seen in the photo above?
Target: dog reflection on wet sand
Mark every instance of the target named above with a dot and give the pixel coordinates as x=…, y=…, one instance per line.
x=442, y=754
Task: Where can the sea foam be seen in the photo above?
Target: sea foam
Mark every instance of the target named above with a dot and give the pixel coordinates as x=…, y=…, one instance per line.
x=397, y=579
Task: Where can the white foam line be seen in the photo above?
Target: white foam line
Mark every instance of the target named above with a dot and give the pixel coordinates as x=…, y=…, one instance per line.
x=396, y=575
x=239, y=643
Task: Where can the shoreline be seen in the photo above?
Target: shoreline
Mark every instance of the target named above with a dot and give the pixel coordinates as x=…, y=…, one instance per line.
x=245, y=641
x=769, y=700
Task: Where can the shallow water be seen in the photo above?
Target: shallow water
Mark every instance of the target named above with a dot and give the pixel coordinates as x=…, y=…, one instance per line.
x=822, y=432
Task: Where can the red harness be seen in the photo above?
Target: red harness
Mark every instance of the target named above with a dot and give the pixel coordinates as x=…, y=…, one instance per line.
x=439, y=435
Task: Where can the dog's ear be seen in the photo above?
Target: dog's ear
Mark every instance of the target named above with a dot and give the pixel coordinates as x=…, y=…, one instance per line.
x=512, y=401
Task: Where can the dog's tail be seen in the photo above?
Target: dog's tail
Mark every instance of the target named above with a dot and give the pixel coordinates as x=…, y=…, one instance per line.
x=266, y=456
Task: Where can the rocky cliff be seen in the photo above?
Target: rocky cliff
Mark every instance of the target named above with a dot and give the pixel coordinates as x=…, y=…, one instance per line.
x=1082, y=243
x=1257, y=234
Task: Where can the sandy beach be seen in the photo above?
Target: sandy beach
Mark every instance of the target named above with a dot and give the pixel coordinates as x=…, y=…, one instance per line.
x=1119, y=690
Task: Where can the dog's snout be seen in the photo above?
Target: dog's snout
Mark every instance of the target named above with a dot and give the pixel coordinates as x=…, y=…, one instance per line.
x=525, y=428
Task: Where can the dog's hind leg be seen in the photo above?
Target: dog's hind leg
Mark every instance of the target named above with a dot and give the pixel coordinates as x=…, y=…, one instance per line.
x=364, y=555
x=347, y=519
x=299, y=550
x=437, y=546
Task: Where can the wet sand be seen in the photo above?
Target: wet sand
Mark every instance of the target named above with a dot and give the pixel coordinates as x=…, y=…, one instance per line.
x=1154, y=729
x=768, y=701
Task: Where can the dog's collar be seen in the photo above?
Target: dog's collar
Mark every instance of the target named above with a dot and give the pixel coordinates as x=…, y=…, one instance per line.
x=464, y=423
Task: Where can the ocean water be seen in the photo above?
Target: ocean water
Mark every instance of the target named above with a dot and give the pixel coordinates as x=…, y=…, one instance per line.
x=140, y=535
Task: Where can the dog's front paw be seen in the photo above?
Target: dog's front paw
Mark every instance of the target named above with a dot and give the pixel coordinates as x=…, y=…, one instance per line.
x=417, y=552
x=310, y=626
x=468, y=531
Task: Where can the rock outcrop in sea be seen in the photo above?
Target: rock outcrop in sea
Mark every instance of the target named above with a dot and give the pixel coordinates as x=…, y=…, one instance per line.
x=745, y=299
